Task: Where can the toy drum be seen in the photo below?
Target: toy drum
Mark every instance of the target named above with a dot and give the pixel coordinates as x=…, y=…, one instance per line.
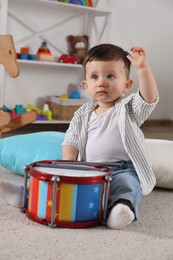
x=66, y=194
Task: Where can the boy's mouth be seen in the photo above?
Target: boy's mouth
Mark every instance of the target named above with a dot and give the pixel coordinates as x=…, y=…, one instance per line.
x=101, y=92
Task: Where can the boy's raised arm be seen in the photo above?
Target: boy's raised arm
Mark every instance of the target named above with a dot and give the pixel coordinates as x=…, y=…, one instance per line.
x=147, y=84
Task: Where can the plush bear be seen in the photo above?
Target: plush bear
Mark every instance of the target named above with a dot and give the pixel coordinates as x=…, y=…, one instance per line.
x=78, y=46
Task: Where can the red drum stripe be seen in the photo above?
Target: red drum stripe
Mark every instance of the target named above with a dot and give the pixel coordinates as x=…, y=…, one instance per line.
x=101, y=200
x=34, y=202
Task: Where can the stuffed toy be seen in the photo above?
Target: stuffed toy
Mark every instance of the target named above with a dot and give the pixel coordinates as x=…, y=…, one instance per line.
x=78, y=46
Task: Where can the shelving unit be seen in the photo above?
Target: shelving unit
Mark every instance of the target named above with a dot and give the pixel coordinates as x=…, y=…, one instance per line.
x=54, y=121
x=38, y=79
x=90, y=15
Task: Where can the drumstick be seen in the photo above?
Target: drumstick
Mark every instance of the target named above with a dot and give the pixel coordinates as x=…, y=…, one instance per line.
x=110, y=164
x=70, y=166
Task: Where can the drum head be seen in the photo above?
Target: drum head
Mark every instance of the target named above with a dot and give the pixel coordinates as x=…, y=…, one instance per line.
x=88, y=172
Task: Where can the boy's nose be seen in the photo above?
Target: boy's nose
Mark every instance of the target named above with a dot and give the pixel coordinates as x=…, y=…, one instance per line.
x=102, y=82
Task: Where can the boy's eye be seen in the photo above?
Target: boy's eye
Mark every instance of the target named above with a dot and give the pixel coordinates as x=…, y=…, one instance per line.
x=94, y=76
x=111, y=76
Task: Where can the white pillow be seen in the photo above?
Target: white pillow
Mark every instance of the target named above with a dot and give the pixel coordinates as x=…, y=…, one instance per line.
x=160, y=153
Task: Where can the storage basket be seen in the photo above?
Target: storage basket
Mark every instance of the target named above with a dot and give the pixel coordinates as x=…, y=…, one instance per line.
x=63, y=109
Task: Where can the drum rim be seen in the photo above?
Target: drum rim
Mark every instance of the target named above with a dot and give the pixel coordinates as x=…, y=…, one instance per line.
x=67, y=179
x=65, y=224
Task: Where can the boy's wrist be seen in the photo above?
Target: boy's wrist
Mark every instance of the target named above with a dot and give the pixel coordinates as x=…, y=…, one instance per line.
x=142, y=68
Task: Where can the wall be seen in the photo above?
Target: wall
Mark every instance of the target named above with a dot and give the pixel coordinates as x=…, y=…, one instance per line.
x=148, y=24
x=135, y=22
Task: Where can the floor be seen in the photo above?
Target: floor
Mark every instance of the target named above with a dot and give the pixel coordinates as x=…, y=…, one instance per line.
x=158, y=130
x=151, y=129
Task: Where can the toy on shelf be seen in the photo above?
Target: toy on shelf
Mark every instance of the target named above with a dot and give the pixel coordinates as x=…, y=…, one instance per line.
x=42, y=114
x=64, y=95
x=43, y=53
x=47, y=112
x=78, y=46
x=14, y=114
x=5, y=109
x=64, y=58
x=72, y=95
x=25, y=55
x=75, y=95
x=19, y=109
x=16, y=111
x=78, y=2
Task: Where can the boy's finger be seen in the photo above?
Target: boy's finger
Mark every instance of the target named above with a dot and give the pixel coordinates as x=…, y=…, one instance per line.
x=130, y=57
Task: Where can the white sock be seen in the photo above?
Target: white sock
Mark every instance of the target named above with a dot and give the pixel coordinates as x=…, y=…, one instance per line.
x=120, y=217
x=11, y=193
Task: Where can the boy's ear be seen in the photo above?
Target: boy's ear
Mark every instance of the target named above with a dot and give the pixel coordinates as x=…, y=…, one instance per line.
x=84, y=83
x=128, y=85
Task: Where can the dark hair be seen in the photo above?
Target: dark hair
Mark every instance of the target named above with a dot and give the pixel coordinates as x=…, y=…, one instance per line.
x=108, y=52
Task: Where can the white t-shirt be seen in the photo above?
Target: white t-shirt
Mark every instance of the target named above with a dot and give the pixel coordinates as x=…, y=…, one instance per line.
x=104, y=141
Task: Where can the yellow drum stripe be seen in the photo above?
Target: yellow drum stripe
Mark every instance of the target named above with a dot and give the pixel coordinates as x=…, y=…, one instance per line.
x=66, y=202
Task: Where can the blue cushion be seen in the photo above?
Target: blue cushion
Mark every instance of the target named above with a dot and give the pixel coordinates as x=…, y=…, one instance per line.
x=17, y=151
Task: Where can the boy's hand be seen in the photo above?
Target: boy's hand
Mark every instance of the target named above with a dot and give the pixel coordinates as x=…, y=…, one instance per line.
x=147, y=83
x=139, y=59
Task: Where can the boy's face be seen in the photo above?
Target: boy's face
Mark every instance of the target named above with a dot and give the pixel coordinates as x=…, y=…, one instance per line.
x=106, y=80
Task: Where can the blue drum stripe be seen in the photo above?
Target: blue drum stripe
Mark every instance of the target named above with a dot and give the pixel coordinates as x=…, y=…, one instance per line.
x=74, y=201
x=43, y=199
x=88, y=202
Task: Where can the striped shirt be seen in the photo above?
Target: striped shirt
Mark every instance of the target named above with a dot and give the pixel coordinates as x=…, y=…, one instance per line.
x=132, y=111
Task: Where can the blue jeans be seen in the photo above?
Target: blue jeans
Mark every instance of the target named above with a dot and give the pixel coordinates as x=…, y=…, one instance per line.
x=125, y=186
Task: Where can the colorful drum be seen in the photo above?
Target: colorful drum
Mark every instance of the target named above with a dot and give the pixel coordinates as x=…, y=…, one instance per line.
x=66, y=195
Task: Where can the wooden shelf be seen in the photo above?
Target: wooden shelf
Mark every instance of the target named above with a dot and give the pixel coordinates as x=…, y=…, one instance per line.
x=64, y=6
x=47, y=63
x=54, y=121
